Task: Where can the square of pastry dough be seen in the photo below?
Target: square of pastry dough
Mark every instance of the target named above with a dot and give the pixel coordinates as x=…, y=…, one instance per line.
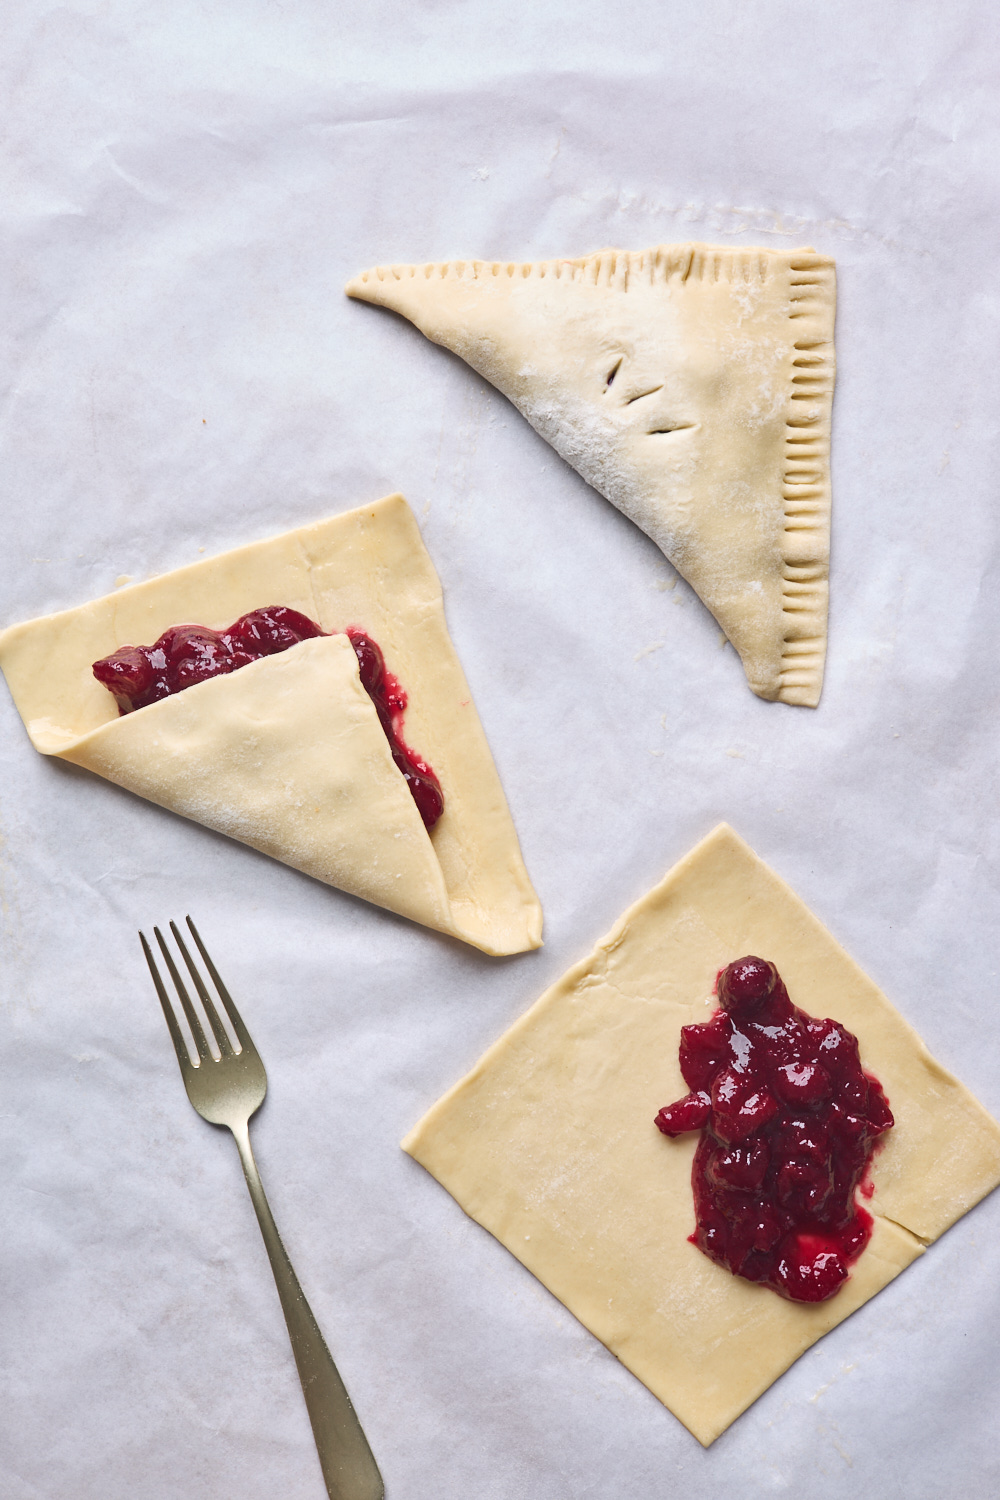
x=550, y=1144
x=287, y=754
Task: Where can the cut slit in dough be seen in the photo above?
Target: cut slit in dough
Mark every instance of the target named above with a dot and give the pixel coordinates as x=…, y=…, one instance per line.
x=287, y=754
x=550, y=1144
x=690, y=385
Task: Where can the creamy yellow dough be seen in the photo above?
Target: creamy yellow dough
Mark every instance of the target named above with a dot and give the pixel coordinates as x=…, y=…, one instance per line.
x=550, y=1143
x=690, y=384
x=287, y=754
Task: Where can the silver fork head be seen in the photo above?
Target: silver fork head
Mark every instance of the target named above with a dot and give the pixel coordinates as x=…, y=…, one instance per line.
x=227, y=1090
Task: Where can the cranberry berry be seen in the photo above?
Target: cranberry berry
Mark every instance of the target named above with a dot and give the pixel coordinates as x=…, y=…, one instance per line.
x=745, y=986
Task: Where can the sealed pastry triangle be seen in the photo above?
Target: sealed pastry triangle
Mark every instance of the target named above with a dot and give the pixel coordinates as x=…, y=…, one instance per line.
x=692, y=386
x=287, y=754
x=550, y=1143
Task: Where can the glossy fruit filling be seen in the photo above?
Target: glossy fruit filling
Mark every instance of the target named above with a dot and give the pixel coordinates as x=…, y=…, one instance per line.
x=186, y=654
x=789, y=1122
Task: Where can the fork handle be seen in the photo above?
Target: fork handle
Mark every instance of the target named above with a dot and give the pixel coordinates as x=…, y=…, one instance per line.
x=349, y=1468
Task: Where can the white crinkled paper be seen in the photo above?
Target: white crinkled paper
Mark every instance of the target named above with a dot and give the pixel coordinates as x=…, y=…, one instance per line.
x=188, y=188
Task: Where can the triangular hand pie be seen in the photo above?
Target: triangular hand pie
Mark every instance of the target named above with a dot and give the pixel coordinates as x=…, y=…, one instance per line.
x=550, y=1142
x=288, y=754
x=692, y=386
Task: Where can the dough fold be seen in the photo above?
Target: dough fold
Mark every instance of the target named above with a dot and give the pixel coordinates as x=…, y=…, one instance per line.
x=287, y=754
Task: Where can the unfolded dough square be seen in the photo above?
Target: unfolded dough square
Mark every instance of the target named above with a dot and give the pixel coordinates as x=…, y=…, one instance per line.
x=692, y=385
x=550, y=1144
x=287, y=754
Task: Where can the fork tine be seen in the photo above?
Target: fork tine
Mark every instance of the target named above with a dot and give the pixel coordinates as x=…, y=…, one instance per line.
x=197, y=1030
x=245, y=1039
x=220, y=1032
x=176, y=1035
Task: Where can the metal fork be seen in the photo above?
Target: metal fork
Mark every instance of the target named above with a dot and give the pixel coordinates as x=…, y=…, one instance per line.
x=227, y=1092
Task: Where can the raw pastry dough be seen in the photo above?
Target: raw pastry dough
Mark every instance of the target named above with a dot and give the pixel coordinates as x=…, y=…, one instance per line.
x=692, y=385
x=287, y=754
x=550, y=1143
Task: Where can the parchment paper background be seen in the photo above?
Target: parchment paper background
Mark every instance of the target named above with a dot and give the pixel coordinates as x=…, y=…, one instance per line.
x=188, y=187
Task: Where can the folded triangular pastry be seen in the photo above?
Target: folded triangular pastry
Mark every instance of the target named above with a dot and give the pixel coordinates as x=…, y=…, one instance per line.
x=288, y=754
x=691, y=385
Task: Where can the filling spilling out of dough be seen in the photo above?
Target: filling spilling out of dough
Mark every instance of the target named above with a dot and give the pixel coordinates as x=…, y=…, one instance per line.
x=186, y=654
x=289, y=753
x=789, y=1121
x=550, y=1142
x=692, y=385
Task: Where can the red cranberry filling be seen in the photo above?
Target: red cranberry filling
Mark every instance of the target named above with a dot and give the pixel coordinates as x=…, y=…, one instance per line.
x=390, y=701
x=186, y=654
x=789, y=1122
